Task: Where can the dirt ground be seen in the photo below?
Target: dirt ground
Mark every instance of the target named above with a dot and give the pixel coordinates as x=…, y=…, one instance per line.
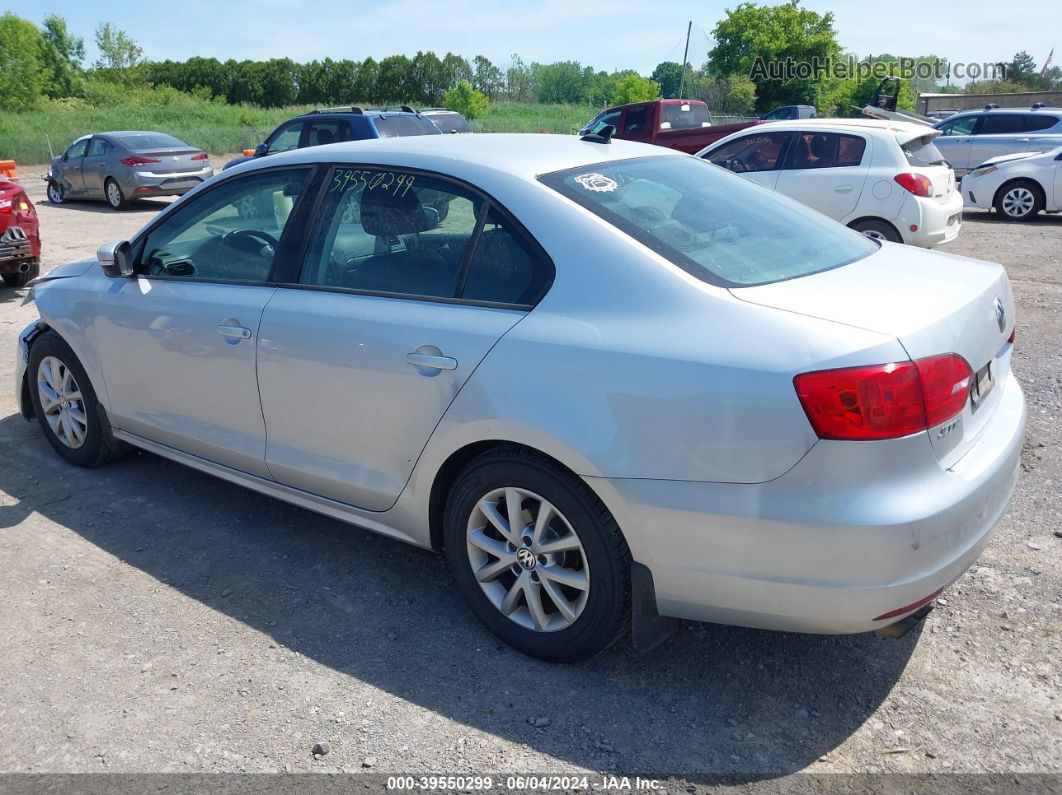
x=155, y=619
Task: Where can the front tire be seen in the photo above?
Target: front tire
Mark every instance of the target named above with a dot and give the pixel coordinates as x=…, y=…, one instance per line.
x=1019, y=200
x=877, y=230
x=115, y=198
x=539, y=559
x=66, y=406
x=55, y=192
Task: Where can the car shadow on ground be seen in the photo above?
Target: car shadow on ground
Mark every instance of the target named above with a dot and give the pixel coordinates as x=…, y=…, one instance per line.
x=89, y=206
x=712, y=702
x=992, y=217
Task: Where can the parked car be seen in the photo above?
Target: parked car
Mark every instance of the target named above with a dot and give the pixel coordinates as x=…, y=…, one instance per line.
x=683, y=124
x=449, y=121
x=884, y=179
x=616, y=382
x=20, y=236
x=1018, y=186
x=942, y=113
x=787, y=112
x=335, y=125
x=121, y=166
x=970, y=138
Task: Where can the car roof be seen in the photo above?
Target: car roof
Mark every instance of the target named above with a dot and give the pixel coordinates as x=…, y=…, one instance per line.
x=864, y=125
x=1024, y=109
x=525, y=155
x=366, y=113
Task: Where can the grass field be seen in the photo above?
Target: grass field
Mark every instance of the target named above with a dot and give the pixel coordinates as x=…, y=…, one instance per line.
x=212, y=126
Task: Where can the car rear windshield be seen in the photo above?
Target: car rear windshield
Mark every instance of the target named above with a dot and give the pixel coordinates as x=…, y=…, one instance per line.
x=711, y=223
x=923, y=152
x=684, y=117
x=450, y=122
x=405, y=124
x=150, y=140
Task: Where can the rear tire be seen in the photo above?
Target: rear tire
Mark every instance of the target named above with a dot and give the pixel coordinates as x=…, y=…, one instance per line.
x=115, y=198
x=877, y=230
x=22, y=279
x=73, y=421
x=1019, y=200
x=571, y=578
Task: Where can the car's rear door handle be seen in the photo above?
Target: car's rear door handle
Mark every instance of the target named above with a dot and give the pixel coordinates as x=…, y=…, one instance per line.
x=843, y=188
x=431, y=362
x=1022, y=140
x=234, y=332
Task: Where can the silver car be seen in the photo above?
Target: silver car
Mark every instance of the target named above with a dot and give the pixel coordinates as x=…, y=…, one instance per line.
x=611, y=382
x=970, y=138
x=121, y=166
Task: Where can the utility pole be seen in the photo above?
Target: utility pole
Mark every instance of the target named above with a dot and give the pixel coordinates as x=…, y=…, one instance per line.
x=685, y=54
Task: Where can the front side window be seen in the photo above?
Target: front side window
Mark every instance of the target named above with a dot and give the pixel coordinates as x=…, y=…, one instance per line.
x=77, y=149
x=963, y=126
x=759, y=152
x=230, y=233
x=826, y=150
x=285, y=139
x=386, y=230
x=719, y=228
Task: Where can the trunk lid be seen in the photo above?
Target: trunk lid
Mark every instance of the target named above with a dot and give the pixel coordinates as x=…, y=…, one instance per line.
x=171, y=160
x=931, y=302
x=924, y=158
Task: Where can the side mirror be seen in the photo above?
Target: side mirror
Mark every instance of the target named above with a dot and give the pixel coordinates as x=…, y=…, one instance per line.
x=260, y=150
x=114, y=258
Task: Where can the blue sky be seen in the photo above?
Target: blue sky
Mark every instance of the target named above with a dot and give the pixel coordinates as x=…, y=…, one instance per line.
x=607, y=35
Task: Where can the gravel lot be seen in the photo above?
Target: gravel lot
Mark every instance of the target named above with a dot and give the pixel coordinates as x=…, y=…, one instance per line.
x=155, y=619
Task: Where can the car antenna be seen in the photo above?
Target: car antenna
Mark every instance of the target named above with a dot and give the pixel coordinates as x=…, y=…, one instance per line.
x=602, y=136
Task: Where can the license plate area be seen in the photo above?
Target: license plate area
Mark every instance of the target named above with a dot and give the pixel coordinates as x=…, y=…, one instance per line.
x=983, y=381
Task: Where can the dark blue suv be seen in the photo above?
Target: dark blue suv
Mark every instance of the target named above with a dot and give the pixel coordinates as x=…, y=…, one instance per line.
x=332, y=125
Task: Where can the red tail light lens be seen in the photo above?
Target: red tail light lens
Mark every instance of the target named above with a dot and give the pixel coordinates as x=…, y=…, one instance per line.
x=200, y=156
x=884, y=401
x=137, y=160
x=1013, y=334
x=918, y=184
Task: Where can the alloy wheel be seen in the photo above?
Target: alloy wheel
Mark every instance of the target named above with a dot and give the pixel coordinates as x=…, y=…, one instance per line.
x=528, y=559
x=1018, y=202
x=114, y=194
x=55, y=193
x=874, y=234
x=61, y=402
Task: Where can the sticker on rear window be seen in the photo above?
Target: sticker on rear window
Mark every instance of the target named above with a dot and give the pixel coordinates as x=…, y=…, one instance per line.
x=598, y=183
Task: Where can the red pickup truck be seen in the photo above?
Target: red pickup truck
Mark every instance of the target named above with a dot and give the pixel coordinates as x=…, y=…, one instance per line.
x=683, y=124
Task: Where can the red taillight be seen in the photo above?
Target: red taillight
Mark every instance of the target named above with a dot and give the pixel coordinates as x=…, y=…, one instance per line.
x=137, y=160
x=918, y=184
x=1013, y=334
x=884, y=401
x=200, y=156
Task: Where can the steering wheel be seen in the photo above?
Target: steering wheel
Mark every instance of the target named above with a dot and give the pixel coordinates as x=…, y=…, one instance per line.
x=264, y=237
x=735, y=165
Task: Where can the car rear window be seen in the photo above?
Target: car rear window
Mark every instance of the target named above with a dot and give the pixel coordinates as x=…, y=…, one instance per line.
x=150, y=140
x=713, y=224
x=405, y=124
x=450, y=122
x=677, y=116
x=923, y=152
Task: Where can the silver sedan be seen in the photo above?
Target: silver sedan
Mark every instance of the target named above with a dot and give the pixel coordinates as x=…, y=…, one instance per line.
x=611, y=382
x=121, y=166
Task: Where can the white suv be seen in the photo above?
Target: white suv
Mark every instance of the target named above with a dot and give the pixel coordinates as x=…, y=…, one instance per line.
x=885, y=179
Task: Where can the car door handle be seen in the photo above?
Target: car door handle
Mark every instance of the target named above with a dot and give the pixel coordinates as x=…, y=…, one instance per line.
x=1022, y=140
x=431, y=362
x=234, y=332
x=843, y=188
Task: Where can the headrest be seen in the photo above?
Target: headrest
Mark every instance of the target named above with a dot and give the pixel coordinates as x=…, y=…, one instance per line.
x=820, y=146
x=384, y=215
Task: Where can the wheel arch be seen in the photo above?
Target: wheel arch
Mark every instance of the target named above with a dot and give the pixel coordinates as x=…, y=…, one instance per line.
x=877, y=219
x=998, y=195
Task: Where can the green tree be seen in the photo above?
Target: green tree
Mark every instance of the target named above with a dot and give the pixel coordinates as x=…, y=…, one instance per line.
x=1021, y=69
x=634, y=88
x=752, y=37
x=22, y=74
x=430, y=78
x=393, y=79
x=486, y=77
x=365, y=77
x=466, y=100
x=61, y=56
x=734, y=95
x=117, y=49
x=669, y=75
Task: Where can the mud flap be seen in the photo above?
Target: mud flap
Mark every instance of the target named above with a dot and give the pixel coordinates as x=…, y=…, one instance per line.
x=648, y=628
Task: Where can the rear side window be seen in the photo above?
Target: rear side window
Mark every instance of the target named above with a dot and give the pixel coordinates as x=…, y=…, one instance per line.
x=690, y=116
x=720, y=228
x=405, y=124
x=410, y=234
x=637, y=119
x=1039, y=121
x=999, y=123
x=326, y=131
x=923, y=152
x=826, y=150
x=97, y=146
x=759, y=152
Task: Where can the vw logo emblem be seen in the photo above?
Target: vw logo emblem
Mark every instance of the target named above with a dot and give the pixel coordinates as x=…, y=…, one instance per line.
x=526, y=558
x=1001, y=315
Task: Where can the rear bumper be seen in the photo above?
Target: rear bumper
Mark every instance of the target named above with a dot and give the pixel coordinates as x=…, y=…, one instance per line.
x=937, y=223
x=145, y=183
x=851, y=533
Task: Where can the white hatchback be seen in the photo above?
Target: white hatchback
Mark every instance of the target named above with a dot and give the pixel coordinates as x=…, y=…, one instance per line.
x=885, y=179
